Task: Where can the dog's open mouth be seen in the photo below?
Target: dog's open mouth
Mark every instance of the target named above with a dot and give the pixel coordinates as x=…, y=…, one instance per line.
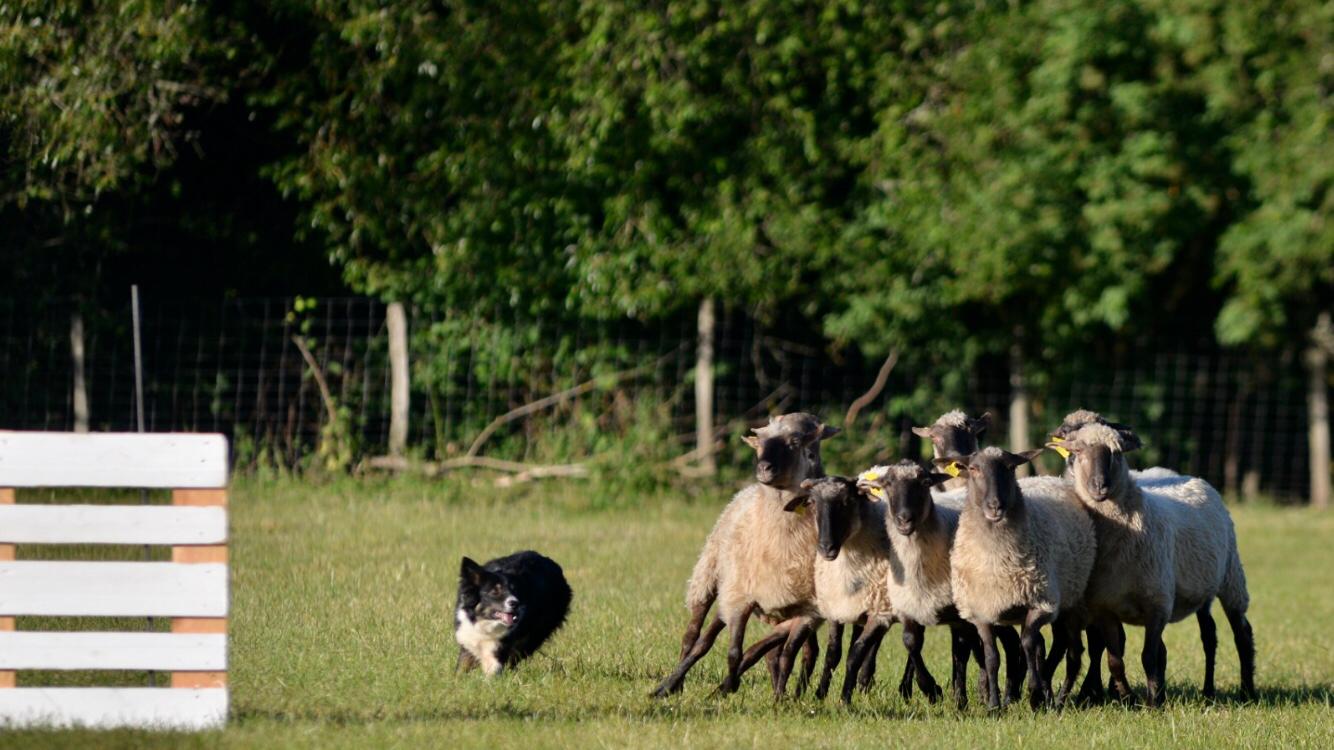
x=506, y=618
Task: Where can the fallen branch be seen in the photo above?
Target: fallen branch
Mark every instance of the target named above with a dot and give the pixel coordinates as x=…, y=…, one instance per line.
x=881, y=378
x=520, y=472
x=557, y=398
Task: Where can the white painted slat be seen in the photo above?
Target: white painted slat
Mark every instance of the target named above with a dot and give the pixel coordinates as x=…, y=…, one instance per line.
x=107, y=708
x=112, y=524
x=169, y=652
x=113, y=459
x=113, y=589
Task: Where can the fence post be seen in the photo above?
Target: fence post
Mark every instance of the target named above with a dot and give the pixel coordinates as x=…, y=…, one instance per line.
x=1018, y=400
x=397, y=321
x=704, y=388
x=80, y=385
x=1317, y=407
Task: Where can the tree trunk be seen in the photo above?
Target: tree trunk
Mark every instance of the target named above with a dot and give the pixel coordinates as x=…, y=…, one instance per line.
x=1018, y=401
x=1317, y=406
x=704, y=388
x=77, y=361
x=1232, y=451
x=398, y=365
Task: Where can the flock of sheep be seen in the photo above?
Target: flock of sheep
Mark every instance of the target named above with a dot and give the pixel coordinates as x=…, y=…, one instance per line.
x=972, y=548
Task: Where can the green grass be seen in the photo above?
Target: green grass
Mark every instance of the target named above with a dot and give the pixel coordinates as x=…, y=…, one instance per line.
x=342, y=636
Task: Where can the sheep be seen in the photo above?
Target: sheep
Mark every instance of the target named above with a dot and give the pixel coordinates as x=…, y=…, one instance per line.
x=1092, y=690
x=920, y=526
x=850, y=576
x=759, y=559
x=1020, y=556
x=1164, y=552
x=954, y=434
x=1080, y=417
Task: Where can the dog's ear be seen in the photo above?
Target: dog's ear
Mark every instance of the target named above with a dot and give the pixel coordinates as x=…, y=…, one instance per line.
x=470, y=572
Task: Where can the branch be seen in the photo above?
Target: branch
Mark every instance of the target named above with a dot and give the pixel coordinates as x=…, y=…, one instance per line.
x=880, y=379
x=557, y=398
x=325, y=395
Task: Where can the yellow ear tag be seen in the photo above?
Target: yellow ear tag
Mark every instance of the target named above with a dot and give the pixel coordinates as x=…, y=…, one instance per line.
x=952, y=469
x=870, y=475
x=801, y=510
x=1064, y=453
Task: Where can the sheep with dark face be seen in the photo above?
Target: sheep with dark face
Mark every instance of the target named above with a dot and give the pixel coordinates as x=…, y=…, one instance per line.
x=1080, y=417
x=921, y=526
x=954, y=434
x=851, y=570
x=759, y=559
x=1164, y=552
x=1021, y=556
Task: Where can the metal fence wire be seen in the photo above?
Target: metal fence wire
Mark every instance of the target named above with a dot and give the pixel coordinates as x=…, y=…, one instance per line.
x=235, y=366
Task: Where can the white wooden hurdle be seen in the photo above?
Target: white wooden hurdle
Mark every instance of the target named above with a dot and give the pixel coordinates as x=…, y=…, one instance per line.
x=192, y=589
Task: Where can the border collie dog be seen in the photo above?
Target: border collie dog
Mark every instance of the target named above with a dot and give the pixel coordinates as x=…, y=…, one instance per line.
x=507, y=609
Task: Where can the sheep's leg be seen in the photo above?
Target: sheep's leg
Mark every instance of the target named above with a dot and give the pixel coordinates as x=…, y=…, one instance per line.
x=735, y=651
x=914, y=637
x=1092, y=692
x=961, y=649
x=1245, y=640
x=1151, y=658
x=1209, y=641
x=1054, y=657
x=763, y=648
x=810, y=654
x=858, y=652
x=832, y=654
x=975, y=644
x=866, y=675
x=992, y=664
x=1115, y=637
x=702, y=645
x=800, y=630
x=697, y=615
x=1015, y=663
x=1039, y=692
x=1074, y=649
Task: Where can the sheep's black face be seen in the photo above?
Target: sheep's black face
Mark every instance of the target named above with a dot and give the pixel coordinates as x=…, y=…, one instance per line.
x=787, y=450
x=834, y=501
x=1097, y=460
x=955, y=439
x=992, y=487
x=910, y=501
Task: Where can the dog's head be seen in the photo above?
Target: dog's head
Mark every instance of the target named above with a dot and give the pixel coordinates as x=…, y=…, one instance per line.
x=485, y=595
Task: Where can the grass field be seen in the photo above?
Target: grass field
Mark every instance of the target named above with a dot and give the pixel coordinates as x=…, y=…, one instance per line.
x=342, y=601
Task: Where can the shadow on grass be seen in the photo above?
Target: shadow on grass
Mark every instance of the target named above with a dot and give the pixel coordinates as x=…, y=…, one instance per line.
x=697, y=708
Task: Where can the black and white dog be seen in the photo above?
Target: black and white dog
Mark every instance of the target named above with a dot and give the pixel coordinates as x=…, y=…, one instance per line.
x=507, y=609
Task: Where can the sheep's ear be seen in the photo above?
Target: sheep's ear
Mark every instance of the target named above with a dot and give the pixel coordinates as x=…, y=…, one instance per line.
x=1015, y=460
x=1060, y=446
x=826, y=431
x=935, y=478
x=751, y=440
x=797, y=503
x=922, y=432
x=979, y=426
x=945, y=462
x=1129, y=440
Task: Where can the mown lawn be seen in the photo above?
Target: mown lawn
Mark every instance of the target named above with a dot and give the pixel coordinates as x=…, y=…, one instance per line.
x=342, y=600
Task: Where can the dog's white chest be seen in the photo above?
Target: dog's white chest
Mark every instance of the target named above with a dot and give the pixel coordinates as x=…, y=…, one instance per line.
x=480, y=638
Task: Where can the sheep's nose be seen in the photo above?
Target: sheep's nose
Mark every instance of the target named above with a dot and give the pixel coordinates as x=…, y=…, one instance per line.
x=903, y=518
x=828, y=553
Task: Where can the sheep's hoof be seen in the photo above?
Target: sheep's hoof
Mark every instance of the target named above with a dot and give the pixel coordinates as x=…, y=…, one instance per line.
x=664, y=690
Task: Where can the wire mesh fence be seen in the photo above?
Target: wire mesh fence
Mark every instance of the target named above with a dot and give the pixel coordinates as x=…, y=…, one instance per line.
x=236, y=366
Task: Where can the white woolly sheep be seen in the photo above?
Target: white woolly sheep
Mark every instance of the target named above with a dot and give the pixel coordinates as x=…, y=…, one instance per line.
x=1021, y=556
x=759, y=558
x=1080, y=417
x=1164, y=552
x=921, y=526
x=851, y=577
